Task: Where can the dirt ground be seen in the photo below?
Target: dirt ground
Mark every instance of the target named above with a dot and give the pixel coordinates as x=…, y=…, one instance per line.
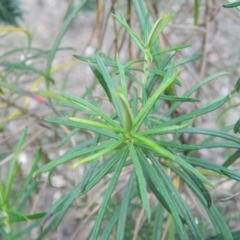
x=217, y=36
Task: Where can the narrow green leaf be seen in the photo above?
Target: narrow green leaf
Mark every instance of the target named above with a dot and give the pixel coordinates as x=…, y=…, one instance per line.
x=155, y=111
x=110, y=225
x=83, y=126
x=101, y=80
x=106, y=198
x=196, y=12
x=135, y=102
x=198, y=112
x=159, y=195
x=27, y=229
x=25, y=67
x=141, y=181
x=154, y=147
x=194, y=88
x=173, y=144
x=108, y=62
x=66, y=139
x=142, y=12
x=164, y=130
x=126, y=111
x=133, y=78
x=157, y=71
x=122, y=77
x=231, y=174
x=186, y=60
x=111, y=63
x=213, y=167
x=157, y=29
x=183, y=175
x=47, y=228
x=146, y=29
x=26, y=183
x=237, y=86
x=63, y=204
x=16, y=214
x=168, y=74
x=104, y=56
x=111, y=147
x=19, y=218
x=177, y=198
x=152, y=80
x=91, y=168
x=160, y=118
x=195, y=172
x=88, y=174
x=215, y=216
x=174, y=48
x=60, y=35
x=145, y=110
x=168, y=155
x=223, y=229
x=165, y=64
x=158, y=222
x=89, y=106
x=152, y=36
x=232, y=5
x=134, y=37
x=201, y=187
x=178, y=99
x=236, y=128
x=218, y=145
x=13, y=166
x=210, y=132
x=235, y=236
x=81, y=145
x=95, y=124
x=156, y=183
x=27, y=195
x=2, y=196
x=66, y=158
x=158, y=74
x=172, y=230
x=16, y=50
x=231, y=159
x=137, y=61
x=111, y=85
x=124, y=208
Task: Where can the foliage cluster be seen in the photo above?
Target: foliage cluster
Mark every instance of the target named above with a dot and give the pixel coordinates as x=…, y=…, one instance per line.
x=135, y=126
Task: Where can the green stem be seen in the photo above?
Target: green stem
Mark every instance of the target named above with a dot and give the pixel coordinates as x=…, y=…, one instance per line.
x=145, y=70
x=3, y=206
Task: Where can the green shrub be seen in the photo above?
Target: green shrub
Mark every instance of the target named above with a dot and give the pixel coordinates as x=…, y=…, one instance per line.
x=141, y=131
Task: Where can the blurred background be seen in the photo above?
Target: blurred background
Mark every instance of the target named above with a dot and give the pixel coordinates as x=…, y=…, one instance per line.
x=212, y=31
